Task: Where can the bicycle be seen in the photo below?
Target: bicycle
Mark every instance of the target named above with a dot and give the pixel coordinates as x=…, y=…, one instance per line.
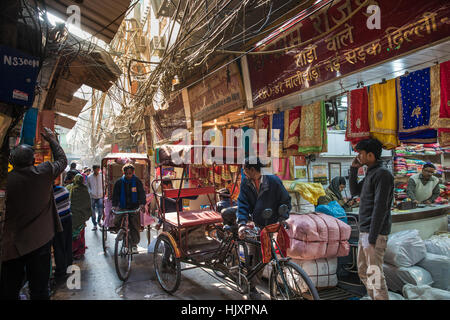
x=287, y=280
x=123, y=253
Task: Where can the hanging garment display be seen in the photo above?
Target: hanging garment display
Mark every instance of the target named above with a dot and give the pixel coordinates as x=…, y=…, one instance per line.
x=383, y=113
x=313, y=129
x=414, y=107
x=282, y=168
x=357, y=116
x=440, y=101
x=278, y=123
x=292, y=129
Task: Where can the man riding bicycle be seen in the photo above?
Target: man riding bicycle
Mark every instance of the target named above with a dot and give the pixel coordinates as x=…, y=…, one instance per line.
x=259, y=192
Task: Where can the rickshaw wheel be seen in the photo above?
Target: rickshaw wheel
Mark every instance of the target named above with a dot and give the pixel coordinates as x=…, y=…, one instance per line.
x=167, y=265
x=122, y=255
x=104, y=237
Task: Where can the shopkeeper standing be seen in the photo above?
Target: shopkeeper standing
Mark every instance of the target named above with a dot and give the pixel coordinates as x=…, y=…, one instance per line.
x=424, y=187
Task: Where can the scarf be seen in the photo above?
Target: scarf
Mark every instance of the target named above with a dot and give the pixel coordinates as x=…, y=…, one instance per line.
x=283, y=241
x=123, y=197
x=383, y=113
x=357, y=116
x=334, y=186
x=313, y=126
x=414, y=107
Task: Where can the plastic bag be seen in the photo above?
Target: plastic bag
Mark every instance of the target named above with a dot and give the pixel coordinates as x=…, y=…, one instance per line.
x=405, y=248
x=412, y=292
x=415, y=275
x=333, y=209
x=438, y=245
x=439, y=268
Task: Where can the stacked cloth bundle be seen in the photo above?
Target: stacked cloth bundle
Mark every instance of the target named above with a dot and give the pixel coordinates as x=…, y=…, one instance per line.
x=414, y=107
x=313, y=129
x=383, y=113
x=317, y=236
x=440, y=101
x=400, y=168
x=357, y=116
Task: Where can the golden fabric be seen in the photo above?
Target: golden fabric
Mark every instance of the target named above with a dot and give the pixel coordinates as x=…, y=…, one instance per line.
x=435, y=90
x=383, y=113
x=309, y=191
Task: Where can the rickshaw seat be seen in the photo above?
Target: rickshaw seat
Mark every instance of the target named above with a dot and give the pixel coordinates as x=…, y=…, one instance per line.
x=194, y=218
x=188, y=192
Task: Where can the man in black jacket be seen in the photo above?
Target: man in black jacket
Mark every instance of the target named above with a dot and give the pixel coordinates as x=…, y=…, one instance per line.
x=376, y=191
x=129, y=194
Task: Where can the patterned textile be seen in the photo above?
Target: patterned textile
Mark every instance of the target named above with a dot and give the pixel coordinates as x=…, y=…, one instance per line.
x=278, y=123
x=383, y=113
x=440, y=101
x=292, y=128
x=281, y=167
x=357, y=116
x=283, y=241
x=313, y=129
x=414, y=107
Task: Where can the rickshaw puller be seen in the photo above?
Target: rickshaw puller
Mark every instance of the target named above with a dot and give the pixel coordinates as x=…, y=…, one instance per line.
x=259, y=192
x=129, y=194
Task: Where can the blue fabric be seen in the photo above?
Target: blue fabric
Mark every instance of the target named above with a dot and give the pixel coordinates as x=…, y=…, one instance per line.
x=414, y=105
x=28, y=132
x=134, y=194
x=272, y=195
x=333, y=209
x=278, y=123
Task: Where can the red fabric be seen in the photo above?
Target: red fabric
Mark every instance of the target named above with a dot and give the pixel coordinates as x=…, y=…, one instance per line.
x=79, y=245
x=293, y=129
x=357, y=116
x=444, y=111
x=283, y=241
x=194, y=218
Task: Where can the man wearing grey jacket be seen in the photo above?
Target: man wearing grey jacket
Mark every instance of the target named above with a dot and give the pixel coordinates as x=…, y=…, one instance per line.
x=31, y=221
x=376, y=191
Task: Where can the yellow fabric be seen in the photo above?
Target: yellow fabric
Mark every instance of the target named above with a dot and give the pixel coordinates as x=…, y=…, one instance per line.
x=309, y=191
x=383, y=113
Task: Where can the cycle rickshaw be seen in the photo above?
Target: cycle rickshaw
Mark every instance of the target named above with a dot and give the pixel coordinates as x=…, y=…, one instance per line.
x=111, y=167
x=221, y=251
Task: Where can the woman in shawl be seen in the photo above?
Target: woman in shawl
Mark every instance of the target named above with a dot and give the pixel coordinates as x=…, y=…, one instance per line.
x=80, y=206
x=333, y=193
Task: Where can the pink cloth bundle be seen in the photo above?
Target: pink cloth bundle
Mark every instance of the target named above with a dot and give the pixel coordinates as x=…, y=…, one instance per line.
x=317, y=235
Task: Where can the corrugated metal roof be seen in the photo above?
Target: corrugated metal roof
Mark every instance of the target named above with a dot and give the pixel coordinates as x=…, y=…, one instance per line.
x=101, y=18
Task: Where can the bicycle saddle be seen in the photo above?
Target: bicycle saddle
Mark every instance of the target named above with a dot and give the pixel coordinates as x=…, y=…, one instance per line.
x=229, y=215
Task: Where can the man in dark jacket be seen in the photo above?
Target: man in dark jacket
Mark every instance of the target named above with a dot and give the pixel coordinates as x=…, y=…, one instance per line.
x=129, y=194
x=31, y=221
x=376, y=191
x=259, y=192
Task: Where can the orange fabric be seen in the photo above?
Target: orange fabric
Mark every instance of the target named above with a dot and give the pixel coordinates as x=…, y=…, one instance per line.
x=283, y=241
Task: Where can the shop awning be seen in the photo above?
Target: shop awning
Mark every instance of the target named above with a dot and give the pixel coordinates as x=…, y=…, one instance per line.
x=72, y=108
x=64, y=122
x=101, y=18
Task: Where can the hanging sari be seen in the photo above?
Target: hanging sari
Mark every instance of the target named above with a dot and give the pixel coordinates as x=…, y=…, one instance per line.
x=357, y=116
x=440, y=101
x=313, y=126
x=278, y=123
x=414, y=107
x=383, y=114
x=282, y=169
x=292, y=129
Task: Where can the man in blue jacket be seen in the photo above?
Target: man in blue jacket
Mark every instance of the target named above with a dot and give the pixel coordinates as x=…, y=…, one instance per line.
x=259, y=192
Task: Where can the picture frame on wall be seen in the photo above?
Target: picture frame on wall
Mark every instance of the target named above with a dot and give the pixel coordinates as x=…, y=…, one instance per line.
x=334, y=170
x=319, y=173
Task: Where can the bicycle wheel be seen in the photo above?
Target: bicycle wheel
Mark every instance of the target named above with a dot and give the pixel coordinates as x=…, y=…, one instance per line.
x=104, y=237
x=295, y=286
x=231, y=263
x=167, y=265
x=122, y=255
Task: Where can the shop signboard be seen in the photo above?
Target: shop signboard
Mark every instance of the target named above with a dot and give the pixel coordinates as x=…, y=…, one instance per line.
x=18, y=72
x=171, y=118
x=218, y=94
x=337, y=41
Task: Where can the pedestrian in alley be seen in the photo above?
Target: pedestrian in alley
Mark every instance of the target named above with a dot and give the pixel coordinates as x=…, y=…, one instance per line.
x=225, y=200
x=95, y=186
x=81, y=208
x=31, y=221
x=62, y=242
x=129, y=194
x=376, y=191
x=68, y=179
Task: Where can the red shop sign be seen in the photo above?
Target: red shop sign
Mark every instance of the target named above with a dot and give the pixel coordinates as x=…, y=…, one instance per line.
x=351, y=46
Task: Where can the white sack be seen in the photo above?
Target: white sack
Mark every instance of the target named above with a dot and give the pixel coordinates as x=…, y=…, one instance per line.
x=438, y=245
x=405, y=248
x=439, y=268
x=322, y=272
x=411, y=292
x=415, y=275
